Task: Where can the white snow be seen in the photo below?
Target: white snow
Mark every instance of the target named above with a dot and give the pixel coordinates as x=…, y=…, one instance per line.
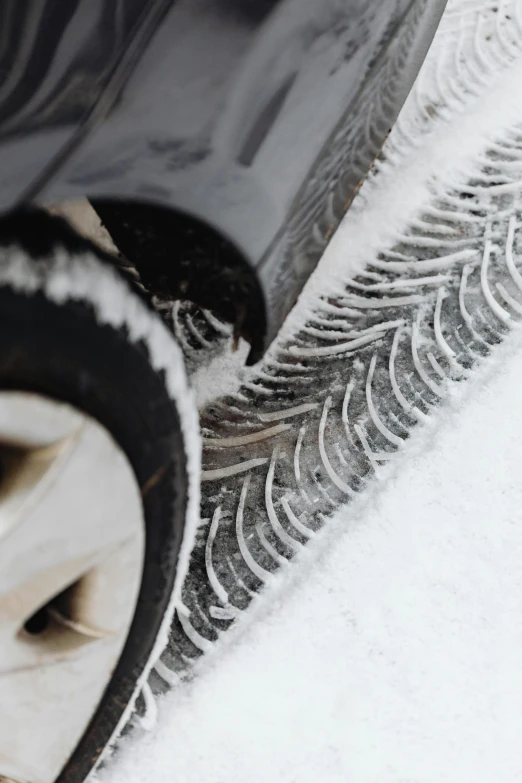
x=222, y=375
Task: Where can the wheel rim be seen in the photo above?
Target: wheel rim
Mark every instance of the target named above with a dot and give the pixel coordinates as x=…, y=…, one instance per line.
x=71, y=558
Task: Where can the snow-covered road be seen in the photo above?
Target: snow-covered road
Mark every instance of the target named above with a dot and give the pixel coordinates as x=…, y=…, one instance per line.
x=393, y=652
x=387, y=649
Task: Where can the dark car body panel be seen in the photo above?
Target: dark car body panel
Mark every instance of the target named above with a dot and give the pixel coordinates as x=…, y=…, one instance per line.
x=57, y=61
x=257, y=117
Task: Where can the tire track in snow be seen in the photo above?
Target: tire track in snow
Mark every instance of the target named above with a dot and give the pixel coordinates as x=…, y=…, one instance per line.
x=334, y=401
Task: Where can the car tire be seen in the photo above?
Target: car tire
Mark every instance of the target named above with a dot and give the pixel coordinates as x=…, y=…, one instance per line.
x=72, y=330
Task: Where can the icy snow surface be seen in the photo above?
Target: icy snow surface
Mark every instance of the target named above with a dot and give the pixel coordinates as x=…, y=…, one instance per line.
x=354, y=586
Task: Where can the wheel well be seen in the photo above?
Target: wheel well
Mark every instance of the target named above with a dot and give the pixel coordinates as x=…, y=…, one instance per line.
x=181, y=257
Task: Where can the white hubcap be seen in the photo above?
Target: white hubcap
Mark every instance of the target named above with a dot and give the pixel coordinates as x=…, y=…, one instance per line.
x=71, y=558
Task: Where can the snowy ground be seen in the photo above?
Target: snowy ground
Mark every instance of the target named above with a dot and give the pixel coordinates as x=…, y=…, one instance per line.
x=387, y=648
x=393, y=653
